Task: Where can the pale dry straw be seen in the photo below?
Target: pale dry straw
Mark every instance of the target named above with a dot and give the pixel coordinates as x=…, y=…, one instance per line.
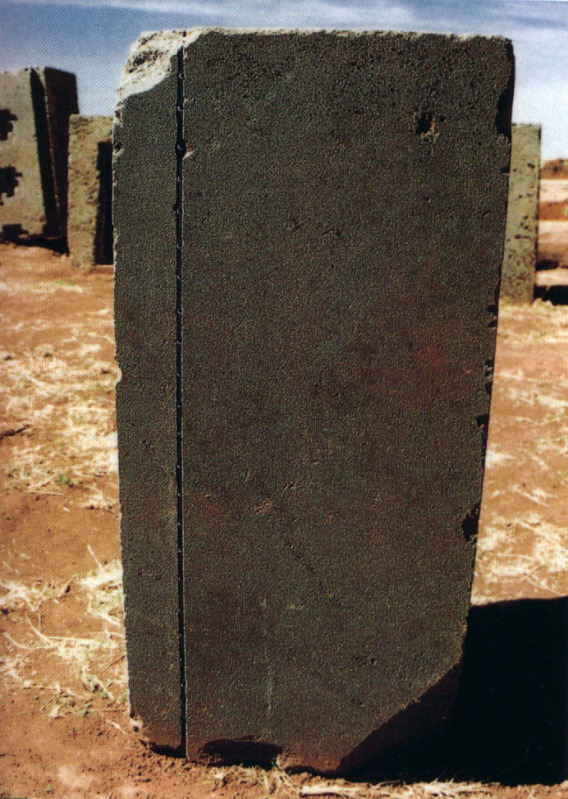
x=527, y=549
x=81, y=659
x=278, y=783
x=65, y=390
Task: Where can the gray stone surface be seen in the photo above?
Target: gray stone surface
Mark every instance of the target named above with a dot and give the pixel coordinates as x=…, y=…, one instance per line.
x=519, y=261
x=145, y=318
x=343, y=214
x=35, y=105
x=89, y=224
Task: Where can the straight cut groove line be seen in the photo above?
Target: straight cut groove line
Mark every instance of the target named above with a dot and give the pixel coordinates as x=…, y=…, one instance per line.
x=180, y=152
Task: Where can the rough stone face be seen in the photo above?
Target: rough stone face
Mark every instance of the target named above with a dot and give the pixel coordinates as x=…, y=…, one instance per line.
x=89, y=225
x=321, y=308
x=35, y=105
x=145, y=318
x=519, y=262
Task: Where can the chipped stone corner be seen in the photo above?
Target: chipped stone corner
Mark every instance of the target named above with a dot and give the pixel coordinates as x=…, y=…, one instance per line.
x=151, y=59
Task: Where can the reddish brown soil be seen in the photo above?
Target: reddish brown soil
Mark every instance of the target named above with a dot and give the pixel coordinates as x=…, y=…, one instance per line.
x=523, y=536
x=64, y=721
x=553, y=211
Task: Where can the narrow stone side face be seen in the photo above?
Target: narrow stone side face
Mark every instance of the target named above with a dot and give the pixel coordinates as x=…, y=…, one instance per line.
x=145, y=169
x=89, y=226
x=519, y=262
x=34, y=110
x=338, y=250
x=61, y=101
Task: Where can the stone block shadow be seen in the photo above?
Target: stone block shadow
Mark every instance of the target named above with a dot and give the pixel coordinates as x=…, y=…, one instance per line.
x=557, y=295
x=511, y=718
x=510, y=723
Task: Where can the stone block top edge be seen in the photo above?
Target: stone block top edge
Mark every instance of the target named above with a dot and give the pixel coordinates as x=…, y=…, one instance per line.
x=78, y=118
x=150, y=56
x=91, y=127
x=528, y=126
x=191, y=35
x=23, y=70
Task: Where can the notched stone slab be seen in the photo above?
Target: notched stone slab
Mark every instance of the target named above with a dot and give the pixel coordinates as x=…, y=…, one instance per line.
x=35, y=105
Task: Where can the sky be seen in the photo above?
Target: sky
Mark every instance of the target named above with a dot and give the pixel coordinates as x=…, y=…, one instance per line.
x=92, y=37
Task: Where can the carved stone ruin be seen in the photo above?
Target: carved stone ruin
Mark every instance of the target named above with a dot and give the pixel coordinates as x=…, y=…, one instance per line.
x=89, y=226
x=35, y=105
x=309, y=233
x=519, y=262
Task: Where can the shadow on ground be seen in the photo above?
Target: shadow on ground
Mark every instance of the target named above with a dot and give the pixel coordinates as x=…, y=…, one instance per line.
x=511, y=717
x=511, y=721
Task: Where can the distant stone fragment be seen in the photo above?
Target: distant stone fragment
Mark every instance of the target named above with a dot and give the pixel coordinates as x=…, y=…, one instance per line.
x=89, y=226
x=519, y=262
x=309, y=233
x=35, y=105
x=552, y=250
x=555, y=169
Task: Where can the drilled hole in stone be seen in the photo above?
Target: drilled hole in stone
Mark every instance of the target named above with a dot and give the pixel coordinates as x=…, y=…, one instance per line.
x=488, y=368
x=492, y=311
x=482, y=420
x=423, y=122
x=471, y=523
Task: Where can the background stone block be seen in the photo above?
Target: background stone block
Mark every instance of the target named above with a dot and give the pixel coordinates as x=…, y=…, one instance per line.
x=309, y=238
x=89, y=225
x=519, y=262
x=35, y=105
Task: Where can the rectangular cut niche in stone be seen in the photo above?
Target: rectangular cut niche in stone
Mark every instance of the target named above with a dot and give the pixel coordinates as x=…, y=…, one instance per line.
x=35, y=105
x=519, y=261
x=305, y=288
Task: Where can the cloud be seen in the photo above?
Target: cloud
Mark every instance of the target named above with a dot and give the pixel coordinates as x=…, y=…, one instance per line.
x=293, y=13
x=444, y=15
x=153, y=6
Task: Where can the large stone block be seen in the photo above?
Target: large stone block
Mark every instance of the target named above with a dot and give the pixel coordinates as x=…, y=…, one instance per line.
x=309, y=233
x=519, y=261
x=35, y=105
x=89, y=224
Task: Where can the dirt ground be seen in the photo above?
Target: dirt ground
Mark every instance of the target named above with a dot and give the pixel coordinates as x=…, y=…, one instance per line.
x=64, y=719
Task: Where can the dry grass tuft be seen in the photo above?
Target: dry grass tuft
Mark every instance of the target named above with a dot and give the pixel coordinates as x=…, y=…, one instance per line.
x=278, y=783
x=68, y=393
x=89, y=666
x=431, y=790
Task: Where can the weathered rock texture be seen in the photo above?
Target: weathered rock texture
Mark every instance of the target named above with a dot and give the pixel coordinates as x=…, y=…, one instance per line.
x=519, y=262
x=89, y=225
x=305, y=348
x=35, y=105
